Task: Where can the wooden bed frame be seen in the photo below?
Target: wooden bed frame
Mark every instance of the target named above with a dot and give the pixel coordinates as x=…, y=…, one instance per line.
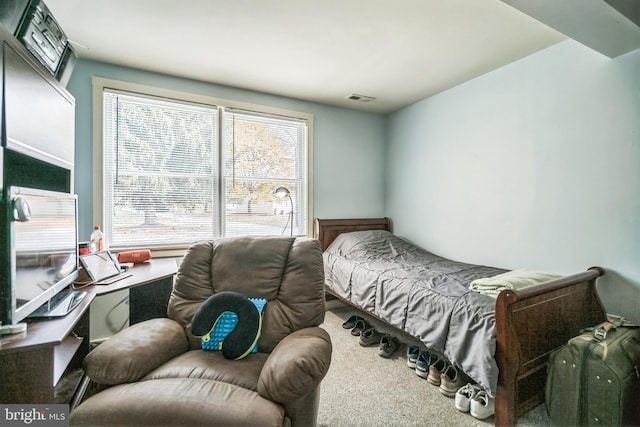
x=530, y=324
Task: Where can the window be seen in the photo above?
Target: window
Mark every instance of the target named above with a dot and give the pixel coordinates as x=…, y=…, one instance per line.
x=177, y=170
x=261, y=154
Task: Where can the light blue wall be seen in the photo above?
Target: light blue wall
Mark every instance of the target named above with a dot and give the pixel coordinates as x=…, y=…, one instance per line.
x=534, y=165
x=348, y=145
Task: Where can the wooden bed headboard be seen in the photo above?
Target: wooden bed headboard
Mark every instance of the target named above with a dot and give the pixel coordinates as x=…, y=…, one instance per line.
x=326, y=230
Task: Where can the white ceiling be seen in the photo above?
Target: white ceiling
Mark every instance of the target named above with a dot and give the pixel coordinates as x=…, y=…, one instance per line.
x=398, y=51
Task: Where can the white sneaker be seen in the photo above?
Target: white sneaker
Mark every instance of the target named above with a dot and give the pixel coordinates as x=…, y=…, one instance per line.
x=464, y=396
x=482, y=405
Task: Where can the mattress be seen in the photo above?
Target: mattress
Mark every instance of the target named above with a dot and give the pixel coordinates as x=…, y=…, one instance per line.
x=421, y=293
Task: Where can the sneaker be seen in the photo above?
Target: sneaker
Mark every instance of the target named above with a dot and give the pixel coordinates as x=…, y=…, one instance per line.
x=412, y=355
x=435, y=370
x=370, y=337
x=451, y=380
x=359, y=326
x=482, y=405
x=388, y=345
x=464, y=396
x=424, y=360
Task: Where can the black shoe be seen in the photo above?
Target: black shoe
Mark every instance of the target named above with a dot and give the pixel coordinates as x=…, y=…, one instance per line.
x=412, y=355
x=370, y=337
x=351, y=322
x=360, y=325
x=424, y=360
x=388, y=345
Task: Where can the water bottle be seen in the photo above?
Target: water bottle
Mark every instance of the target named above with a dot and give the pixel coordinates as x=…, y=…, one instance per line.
x=97, y=240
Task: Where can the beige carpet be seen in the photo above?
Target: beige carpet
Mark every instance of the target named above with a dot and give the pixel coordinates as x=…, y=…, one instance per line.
x=364, y=389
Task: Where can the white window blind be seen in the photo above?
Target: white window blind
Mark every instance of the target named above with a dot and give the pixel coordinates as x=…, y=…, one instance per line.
x=173, y=176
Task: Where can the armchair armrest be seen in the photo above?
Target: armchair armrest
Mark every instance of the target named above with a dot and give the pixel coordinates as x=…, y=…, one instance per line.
x=134, y=352
x=296, y=365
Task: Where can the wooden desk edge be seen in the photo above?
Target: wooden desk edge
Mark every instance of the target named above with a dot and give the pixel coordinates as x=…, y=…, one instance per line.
x=141, y=274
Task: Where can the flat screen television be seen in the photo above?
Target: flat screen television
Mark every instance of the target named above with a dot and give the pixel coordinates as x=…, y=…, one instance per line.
x=42, y=257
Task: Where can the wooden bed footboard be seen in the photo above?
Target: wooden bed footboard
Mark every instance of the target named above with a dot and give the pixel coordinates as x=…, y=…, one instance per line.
x=530, y=324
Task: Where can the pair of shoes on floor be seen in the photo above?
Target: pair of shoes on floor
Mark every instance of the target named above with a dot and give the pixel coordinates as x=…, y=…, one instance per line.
x=370, y=337
x=446, y=377
x=420, y=360
x=473, y=399
x=424, y=362
x=451, y=380
x=357, y=324
x=388, y=345
x=435, y=371
x=413, y=351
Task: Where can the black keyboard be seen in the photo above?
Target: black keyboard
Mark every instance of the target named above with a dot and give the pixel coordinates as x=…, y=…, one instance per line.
x=60, y=305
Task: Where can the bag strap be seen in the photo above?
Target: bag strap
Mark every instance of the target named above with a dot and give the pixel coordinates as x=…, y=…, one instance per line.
x=598, y=334
x=620, y=321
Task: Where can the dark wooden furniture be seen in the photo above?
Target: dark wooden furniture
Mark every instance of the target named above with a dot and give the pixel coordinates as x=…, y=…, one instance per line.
x=326, y=230
x=38, y=126
x=37, y=364
x=37, y=146
x=34, y=363
x=530, y=324
x=37, y=141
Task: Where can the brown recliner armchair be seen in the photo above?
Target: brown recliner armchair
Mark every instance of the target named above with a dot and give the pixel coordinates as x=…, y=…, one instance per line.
x=157, y=374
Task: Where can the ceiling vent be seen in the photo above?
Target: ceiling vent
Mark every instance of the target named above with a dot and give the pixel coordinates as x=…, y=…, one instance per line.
x=359, y=98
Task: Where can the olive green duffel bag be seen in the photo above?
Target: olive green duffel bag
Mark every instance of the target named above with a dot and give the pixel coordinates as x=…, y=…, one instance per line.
x=594, y=380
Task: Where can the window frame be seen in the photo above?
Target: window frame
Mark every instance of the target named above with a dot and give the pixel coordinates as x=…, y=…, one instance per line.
x=99, y=84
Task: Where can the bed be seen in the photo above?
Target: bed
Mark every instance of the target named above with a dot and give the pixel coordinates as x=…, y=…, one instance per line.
x=510, y=337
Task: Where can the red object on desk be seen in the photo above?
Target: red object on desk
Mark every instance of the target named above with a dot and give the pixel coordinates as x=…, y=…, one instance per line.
x=83, y=248
x=134, y=256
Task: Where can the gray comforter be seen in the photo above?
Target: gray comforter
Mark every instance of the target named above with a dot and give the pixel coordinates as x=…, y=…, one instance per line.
x=421, y=293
